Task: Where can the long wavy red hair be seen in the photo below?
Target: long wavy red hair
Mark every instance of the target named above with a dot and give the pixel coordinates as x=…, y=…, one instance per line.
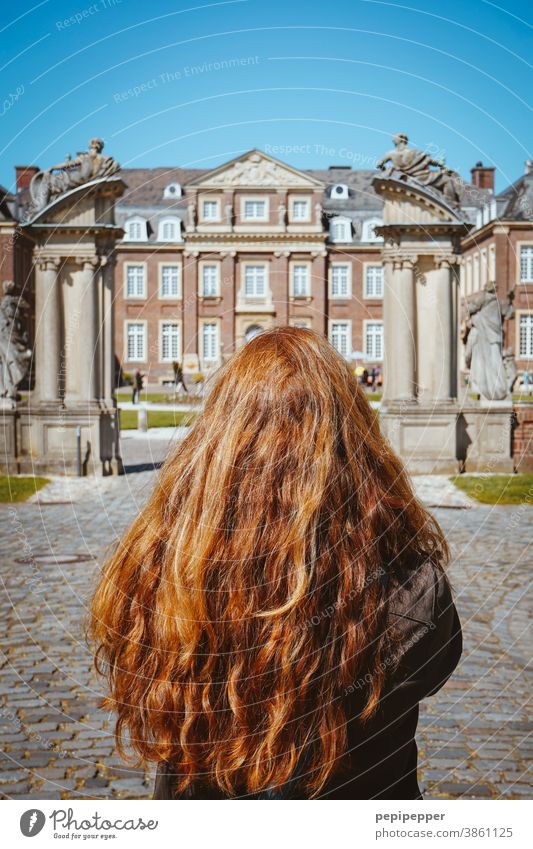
x=247, y=595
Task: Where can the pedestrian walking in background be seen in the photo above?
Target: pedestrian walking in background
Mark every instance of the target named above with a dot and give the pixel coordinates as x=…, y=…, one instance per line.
x=138, y=383
x=178, y=378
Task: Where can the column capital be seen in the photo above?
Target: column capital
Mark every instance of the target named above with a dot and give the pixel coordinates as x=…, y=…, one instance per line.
x=88, y=262
x=446, y=260
x=401, y=260
x=48, y=263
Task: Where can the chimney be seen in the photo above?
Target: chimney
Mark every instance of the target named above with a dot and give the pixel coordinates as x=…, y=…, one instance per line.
x=482, y=176
x=24, y=173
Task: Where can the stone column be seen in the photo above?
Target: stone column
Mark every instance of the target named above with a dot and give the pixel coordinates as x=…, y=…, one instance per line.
x=400, y=329
x=88, y=359
x=441, y=333
x=107, y=329
x=48, y=330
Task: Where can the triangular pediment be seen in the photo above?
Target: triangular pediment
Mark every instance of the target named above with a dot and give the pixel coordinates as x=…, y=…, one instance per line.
x=256, y=169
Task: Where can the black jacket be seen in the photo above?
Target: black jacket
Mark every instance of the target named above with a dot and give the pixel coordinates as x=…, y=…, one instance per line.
x=381, y=757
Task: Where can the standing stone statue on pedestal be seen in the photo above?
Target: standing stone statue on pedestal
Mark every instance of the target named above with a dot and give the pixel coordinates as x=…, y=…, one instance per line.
x=409, y=163
x=15, y=353
x=484, y=341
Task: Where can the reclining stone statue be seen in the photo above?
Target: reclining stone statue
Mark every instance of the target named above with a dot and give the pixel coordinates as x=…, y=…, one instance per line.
x=408, y=163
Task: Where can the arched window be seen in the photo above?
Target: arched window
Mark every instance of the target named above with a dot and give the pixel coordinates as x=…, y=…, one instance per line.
x=169, y=230
x=369, y=234
x=340, y=229
x=173, y=190
x=135, y=229
x=252, y=331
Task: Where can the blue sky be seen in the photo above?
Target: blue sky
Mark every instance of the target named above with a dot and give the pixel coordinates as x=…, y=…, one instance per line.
x=316, y=83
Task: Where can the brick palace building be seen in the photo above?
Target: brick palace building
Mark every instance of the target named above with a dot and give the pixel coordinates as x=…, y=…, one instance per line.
x=211, y=257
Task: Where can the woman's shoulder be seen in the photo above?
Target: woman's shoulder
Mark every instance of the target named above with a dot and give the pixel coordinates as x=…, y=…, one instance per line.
x=415, y=593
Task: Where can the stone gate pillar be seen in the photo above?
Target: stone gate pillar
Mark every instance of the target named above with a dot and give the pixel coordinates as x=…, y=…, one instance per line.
x=432, y=429
x=71, y=222
x=47, y=329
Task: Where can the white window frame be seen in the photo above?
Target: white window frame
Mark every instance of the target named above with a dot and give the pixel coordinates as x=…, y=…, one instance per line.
x=367, y=323
x=293, y=266
x=520, y=247
x=347, y=224
x=253, y=264
x=201, y=266
x=294, y=200
x=176, y=222
x=127, y=323
x=212, y=202
x=177, y=267
x=519, y=316
x=367, y=235
x=366, y=267
x=140, y=222
x=252, y=199
x=333, y=267
x=173, y=323
x=205, y=323
x=143, y=265
x=348, y=325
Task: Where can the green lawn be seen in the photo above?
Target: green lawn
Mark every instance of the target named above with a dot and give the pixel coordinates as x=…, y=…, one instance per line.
x=19, y=488
x=497, y=489
x=156, y=418
x=158, y=397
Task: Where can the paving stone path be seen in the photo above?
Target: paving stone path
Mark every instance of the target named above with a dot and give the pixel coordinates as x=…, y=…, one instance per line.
x=474, y=736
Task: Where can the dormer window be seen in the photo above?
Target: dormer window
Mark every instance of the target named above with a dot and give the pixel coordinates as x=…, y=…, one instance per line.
x=135, y=229
x=340, y=230
x=169, y=230
x=339, y=191
x=173, y=190
x=369, y=234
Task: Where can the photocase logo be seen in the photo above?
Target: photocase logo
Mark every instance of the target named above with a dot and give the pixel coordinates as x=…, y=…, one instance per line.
x=32, y=822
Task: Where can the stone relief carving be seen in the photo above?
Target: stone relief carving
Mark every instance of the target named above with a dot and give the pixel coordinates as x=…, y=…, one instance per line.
x=490, y=376
x=256, y=171
x=15, y=353
x=408, y=163
x=86, y=166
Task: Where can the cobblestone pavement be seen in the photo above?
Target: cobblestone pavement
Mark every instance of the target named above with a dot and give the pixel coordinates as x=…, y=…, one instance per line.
x=57, y=744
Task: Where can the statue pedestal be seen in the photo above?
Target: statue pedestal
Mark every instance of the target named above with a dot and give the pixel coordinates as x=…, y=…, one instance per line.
x=49, y=440
x=424, y=437
x=485, y=437
x=8, y=440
